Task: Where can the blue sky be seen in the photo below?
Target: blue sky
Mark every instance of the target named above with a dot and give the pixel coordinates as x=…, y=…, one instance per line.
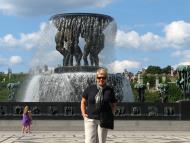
x=149, y=32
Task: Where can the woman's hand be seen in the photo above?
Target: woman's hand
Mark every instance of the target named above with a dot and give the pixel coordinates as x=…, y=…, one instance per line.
x=83, y=107
x=114, y=106
x=85, y=115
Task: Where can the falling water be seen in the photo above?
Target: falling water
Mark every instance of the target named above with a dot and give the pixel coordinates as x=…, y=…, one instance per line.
x=32, y=91
x=68, y=87
x=100, y=30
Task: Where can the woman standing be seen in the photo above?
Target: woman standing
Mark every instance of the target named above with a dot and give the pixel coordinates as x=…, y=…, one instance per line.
x=98, y=106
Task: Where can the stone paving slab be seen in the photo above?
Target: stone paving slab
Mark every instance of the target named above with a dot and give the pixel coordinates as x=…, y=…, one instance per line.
x=78, y=125
x=78, y=137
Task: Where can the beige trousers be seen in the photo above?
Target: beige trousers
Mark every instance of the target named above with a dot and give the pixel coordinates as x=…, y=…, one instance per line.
x=93, y=132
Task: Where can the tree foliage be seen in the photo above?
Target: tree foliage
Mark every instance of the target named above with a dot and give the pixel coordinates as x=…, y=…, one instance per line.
x=157, y=70
x=5, y=79
x=153, y=70
x=167, y=70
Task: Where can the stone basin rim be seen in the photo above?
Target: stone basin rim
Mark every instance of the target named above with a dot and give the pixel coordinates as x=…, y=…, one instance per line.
x=62, y=15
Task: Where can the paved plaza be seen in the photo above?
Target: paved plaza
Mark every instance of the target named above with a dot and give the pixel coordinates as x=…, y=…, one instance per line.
x=78, y=137
x=60, y=131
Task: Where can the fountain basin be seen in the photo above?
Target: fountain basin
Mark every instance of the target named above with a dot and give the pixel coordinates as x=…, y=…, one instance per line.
x=68, y=87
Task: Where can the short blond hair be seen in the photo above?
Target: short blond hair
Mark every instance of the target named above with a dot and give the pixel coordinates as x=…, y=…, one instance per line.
x=101, y=70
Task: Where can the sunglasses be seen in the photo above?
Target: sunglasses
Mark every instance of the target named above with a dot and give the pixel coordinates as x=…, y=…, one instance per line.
x=102, y=77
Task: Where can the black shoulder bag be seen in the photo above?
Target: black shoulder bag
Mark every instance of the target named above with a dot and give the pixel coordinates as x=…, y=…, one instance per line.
x=107, y=119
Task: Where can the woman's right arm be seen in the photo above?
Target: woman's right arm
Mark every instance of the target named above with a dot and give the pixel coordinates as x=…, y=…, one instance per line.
x=83, y=107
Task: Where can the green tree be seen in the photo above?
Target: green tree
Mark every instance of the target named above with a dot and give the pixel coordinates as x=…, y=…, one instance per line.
x=166, y=70
x=150, y=79
x=174, y=92
x=153, y=70
x=4, y=80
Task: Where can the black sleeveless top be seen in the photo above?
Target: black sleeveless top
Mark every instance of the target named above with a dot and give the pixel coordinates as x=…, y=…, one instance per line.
x=108, y=97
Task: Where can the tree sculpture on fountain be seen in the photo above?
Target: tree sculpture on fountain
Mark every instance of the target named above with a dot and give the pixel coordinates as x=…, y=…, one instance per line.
x=68, y=85
x=72, y=26
x=59, y=40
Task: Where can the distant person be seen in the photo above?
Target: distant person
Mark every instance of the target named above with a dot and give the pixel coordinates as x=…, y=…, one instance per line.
x=98, y=106
x=26, y=120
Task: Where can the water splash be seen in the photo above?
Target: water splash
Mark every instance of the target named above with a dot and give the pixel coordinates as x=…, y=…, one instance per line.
x=68, y=87
x=32, y=91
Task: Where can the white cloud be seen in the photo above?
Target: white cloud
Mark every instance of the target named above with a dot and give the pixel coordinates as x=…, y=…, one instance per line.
x=44, y=7
x=40, y=44
x=45, y=46
x=128, y=40
x=8, y=41
x=119, y=66
x=183, y=55
x=51, y=58
x=177, y=35
x=6, y=7
x=151, y=41
x=15, y=60
x=133, y=39
x=29, y=41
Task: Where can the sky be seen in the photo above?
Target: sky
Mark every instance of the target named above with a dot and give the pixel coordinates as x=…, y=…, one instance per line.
x=149, y=32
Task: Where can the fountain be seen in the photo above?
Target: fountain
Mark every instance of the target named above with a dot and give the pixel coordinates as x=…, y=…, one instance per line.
x=57, y=95
x=67, y=83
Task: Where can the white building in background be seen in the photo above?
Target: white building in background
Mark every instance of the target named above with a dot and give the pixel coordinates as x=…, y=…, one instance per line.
x=172, y=72
x=157, y=82
x=148, y=85
x=41, y=70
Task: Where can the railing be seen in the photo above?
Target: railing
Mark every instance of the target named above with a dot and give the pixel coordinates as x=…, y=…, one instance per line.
x=71, y=110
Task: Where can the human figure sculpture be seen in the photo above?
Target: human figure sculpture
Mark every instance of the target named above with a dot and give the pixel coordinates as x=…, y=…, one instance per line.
x=163, y=91
x=183, y=80
x=141, y=91
x=67, y=45
x=70, y=52
x=77, y=53
x=59, y=40
x=12, y=87
x=97, y=46
x=88, y=26
x=94, y=45
x=86, y=52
